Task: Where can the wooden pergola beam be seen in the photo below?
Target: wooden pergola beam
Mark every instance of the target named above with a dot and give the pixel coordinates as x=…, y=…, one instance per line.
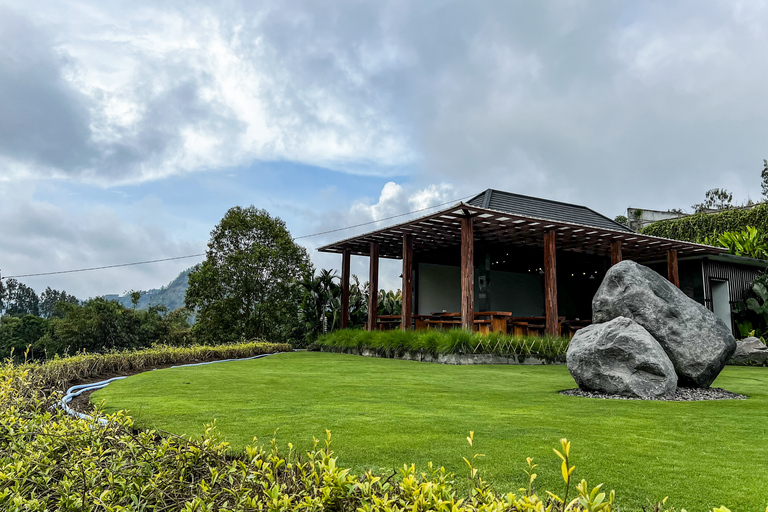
x=407, y=313
x=615, y=252
x=673, y=274
x=345, y=288
x=550, y=284
x=467, y=274
x=373, y=286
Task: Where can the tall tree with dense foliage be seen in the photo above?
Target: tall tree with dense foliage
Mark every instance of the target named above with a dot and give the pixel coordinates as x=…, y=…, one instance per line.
x=244, y=288
x=18, y=299
x=49, y=298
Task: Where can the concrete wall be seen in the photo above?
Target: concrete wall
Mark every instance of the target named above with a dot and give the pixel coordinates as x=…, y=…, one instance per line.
x=520, y=294
x=439, y=289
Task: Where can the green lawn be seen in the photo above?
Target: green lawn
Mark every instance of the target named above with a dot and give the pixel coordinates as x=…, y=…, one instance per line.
x=383, y=413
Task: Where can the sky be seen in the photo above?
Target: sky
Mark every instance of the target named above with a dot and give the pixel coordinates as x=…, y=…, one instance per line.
x=128, y=129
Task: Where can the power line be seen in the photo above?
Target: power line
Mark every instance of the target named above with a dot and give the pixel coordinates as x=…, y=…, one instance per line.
x=203, y=254
x=105, y=266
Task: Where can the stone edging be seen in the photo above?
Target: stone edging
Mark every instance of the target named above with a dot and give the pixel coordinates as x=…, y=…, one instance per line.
x=426, y=357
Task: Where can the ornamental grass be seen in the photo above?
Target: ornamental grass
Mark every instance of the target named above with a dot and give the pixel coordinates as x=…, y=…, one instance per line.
x=436, y=342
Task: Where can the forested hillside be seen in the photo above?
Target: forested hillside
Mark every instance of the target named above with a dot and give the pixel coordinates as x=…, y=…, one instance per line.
x=170, y=296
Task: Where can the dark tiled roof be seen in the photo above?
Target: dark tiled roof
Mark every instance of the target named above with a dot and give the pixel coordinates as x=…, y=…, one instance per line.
x=528, y=206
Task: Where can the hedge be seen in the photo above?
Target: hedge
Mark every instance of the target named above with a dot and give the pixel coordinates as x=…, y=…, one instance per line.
x=60, y=372
x=695, y=228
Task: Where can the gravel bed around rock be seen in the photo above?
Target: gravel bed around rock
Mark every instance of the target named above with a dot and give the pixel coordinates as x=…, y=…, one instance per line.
x=681, y=395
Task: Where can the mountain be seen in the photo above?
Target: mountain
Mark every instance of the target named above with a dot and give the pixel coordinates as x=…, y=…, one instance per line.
x=170, y=296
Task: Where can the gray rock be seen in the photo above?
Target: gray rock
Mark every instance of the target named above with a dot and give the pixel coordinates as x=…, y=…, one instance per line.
x=750, y=351
x=619, y=357
x=697, y=342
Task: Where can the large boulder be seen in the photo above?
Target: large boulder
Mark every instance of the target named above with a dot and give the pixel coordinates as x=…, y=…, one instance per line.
x=698, y=343
x=750, y=351
x=621, y=358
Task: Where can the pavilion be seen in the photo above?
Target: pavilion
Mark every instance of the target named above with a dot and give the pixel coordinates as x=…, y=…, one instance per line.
x=505, y=251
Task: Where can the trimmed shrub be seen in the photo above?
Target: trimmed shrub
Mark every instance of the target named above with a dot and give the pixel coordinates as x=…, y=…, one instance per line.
x=58, y=373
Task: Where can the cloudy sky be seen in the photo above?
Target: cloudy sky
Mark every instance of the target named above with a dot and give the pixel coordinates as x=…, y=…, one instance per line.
x=127, y=129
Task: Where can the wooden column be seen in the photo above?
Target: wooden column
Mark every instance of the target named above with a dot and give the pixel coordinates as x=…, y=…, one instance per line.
x=345, y=289
x=373, y=287
x=407, y=316
x=467, y=274
x=550, y=284
x=615, y=252
x=672, y=271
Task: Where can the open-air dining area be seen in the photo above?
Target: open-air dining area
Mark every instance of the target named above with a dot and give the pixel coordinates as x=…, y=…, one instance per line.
x=521, y=266
x=486, y=322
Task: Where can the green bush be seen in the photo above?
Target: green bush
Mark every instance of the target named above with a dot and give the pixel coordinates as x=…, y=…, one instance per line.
x=51, y=461
x=698, y=227
x=435, y=342
x=58, y=372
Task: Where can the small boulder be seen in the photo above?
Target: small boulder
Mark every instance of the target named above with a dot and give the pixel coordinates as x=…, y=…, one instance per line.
x=750, y=351
x=619, y=357
x=696, y=341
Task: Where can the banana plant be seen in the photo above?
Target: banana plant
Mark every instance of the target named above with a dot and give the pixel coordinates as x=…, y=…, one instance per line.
x=390, y=302
x=750, y=243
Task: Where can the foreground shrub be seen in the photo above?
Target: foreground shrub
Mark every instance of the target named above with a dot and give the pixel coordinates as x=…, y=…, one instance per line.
x=50, y=461
x=59, y=372
x=454, y=341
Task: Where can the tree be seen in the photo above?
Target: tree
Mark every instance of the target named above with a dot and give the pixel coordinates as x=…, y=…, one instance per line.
x=715, y=199
x=49, y=298
x=18, y=299
x=135, y=297
x=244, y=288
x=764, y=175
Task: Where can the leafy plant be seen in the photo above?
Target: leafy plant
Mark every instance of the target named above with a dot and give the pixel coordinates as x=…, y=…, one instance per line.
x=750, y=242
x=390, y=302
x=751, y=315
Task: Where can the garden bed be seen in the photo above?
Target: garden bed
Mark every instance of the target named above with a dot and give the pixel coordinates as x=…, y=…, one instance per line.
x=455, y=346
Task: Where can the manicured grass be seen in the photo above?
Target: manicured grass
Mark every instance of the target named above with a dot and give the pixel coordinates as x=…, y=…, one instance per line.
x=383, y=413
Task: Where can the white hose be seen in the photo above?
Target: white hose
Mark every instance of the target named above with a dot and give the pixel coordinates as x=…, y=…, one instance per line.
x=76, y=391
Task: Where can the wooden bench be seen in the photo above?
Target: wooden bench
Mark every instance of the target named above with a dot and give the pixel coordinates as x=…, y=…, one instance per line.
x=531, y=325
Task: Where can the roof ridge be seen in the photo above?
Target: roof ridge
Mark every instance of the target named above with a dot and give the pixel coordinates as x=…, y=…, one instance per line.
x=563, y=203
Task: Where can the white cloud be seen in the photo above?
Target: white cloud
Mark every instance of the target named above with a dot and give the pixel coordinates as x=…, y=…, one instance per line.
x=39, y=236
x=173, y=90
x=394, y=200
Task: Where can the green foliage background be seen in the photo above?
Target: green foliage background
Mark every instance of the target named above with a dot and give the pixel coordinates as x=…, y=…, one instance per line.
x=696, y=228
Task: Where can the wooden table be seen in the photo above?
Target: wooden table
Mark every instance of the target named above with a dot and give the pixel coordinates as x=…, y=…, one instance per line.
x=530, y=325
x=498, y=320
x=481, y=325
x=388, y=322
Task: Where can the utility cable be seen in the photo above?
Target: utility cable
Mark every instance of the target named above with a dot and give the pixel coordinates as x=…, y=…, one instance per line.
x=203, y=254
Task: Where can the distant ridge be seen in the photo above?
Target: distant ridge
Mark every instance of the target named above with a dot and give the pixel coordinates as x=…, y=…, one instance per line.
x=170, y=296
